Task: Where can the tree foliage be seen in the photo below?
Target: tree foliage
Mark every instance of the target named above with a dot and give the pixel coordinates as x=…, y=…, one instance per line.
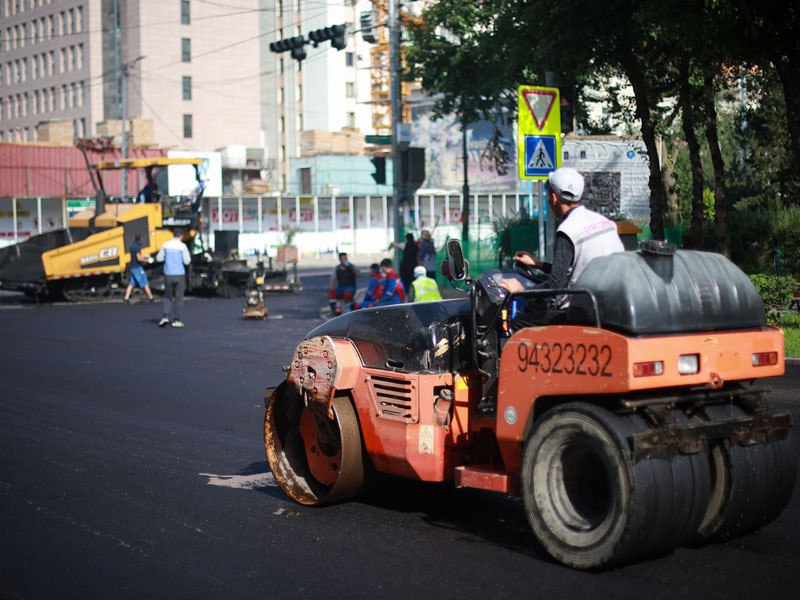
x=680, y=57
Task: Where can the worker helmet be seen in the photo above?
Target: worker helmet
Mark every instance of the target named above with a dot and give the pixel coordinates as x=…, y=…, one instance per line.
x=567, y=183
x=419, y=271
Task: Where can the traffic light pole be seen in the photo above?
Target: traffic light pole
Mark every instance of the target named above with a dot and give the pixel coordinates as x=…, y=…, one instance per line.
x=397, y=118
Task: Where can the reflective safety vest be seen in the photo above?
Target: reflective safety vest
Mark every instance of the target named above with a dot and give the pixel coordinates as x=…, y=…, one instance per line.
x=425, y=290
x=592, y=235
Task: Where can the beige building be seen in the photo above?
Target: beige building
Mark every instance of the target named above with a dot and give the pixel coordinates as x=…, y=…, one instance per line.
x=192, y=68
x=199, y=75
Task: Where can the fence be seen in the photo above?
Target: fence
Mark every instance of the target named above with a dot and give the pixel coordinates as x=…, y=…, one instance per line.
x=315, y=224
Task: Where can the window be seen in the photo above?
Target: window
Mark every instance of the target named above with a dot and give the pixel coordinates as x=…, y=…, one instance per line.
x=63, y=61
x=83, y=93
x=82, y=53
x=80, y=18
x=186, y=50
x=73, y=59
x=349, y=59
x=351, y=119
x=72, y=20
x=62, y=19
x=187, y=88
x=349, y=89
x=185, y=17
x=187, y=126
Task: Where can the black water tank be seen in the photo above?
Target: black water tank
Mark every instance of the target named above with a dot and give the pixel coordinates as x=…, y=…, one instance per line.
x=660, y=291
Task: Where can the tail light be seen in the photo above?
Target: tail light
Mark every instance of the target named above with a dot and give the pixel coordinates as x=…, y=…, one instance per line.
x=762, y=359
x=648, y=369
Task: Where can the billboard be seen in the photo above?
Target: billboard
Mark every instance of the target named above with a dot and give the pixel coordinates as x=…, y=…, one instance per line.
x=442, y=140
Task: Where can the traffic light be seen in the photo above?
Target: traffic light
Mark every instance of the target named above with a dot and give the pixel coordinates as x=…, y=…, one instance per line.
x=380, y=169
x=334, y=33
x=567, y=93
x=413, y=166
x=295, y=44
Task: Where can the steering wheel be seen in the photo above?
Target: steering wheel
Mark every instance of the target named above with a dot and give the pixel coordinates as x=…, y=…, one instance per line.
x=529, y=272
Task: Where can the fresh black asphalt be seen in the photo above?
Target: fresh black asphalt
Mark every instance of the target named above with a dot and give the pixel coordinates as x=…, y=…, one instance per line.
x=132, y=466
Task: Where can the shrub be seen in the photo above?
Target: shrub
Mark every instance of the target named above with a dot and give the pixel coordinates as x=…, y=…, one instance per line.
x=776, y=293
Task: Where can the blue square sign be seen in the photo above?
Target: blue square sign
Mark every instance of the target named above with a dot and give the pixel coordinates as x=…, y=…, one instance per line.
x=540, y=155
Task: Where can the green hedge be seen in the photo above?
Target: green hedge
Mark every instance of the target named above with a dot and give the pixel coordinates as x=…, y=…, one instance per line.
x=776, y=293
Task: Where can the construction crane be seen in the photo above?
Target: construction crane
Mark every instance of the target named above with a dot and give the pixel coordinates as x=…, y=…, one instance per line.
x=381, y=72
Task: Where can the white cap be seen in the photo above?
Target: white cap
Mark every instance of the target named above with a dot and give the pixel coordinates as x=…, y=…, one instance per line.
x=567, y=183
x=419, y=271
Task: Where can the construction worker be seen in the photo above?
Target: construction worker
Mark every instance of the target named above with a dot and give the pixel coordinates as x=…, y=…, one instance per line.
x=425, y=288
x=375, y=288
x=393, y=291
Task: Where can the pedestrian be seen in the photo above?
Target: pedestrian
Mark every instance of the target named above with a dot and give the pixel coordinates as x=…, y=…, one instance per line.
x=409, y=261
x=425, y=289
x=343, y=284
x=137, y=274
x=393, y=290
x=374, y=289
x=427, y=254
x=175, y=256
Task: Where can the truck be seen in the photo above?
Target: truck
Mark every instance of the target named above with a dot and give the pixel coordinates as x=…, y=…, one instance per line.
x=634, y=422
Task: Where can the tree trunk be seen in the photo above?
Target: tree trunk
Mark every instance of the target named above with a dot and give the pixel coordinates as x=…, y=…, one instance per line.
x=695, y=239
x=644, y=112
x=789, y=73
x=670, y=196
x=720, y=199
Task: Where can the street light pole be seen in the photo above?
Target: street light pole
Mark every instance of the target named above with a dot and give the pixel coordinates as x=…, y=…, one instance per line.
x=397, y=116
x=125, y=69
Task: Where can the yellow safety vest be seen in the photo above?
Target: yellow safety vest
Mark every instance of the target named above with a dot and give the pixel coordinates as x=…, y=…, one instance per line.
x=425, y=290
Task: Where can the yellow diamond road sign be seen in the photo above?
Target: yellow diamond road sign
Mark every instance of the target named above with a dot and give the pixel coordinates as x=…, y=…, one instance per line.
x=539, y=131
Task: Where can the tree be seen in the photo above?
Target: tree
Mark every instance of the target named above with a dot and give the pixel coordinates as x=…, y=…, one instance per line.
x=773, y=29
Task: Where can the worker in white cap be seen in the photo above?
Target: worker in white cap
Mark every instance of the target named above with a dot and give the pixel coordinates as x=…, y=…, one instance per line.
x=425, y=288
x=581, y=236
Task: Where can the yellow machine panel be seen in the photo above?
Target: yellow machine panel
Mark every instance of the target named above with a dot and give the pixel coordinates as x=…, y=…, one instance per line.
x=107, y=251
x=118, y=213
x=100, y=253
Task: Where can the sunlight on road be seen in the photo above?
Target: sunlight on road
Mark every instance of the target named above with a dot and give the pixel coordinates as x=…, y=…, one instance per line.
x=245, y=482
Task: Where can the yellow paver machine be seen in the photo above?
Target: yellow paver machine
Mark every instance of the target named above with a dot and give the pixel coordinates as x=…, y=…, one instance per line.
x=89, y=258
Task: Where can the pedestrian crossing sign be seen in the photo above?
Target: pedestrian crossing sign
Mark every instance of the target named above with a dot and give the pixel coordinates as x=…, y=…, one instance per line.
x=540, y=155
x=539, y=131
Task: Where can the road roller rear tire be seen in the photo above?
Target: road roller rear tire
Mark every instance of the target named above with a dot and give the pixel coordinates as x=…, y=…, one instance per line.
x=751, y=484
x=315, y=460
x=587, y=502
